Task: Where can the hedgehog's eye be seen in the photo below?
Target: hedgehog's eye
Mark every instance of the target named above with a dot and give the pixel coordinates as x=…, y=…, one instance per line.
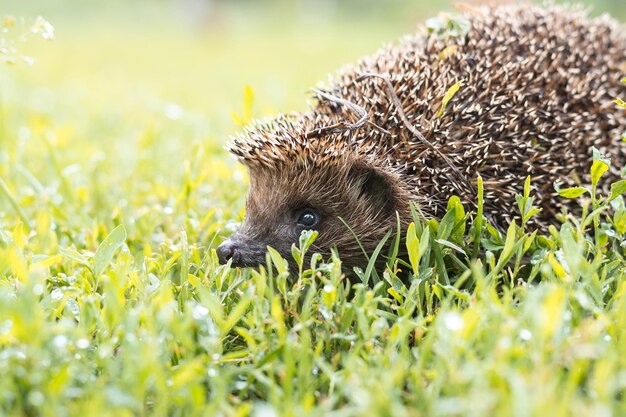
x=308, y=218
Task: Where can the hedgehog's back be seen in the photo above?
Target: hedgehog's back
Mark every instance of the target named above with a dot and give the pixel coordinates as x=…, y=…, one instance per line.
x=536, y=92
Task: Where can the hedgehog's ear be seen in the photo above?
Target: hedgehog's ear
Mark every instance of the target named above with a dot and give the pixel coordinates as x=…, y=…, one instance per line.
x=374, y=185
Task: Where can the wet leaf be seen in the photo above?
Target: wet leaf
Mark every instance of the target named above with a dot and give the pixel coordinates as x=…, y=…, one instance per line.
x=104, y=254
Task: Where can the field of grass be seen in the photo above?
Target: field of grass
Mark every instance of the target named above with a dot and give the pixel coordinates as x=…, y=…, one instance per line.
x=115, y=191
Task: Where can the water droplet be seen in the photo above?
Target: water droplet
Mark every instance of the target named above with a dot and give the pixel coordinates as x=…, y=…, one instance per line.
x=36, y=398
x=38, y=289
x=82, y=343
x=173, y=111
x=6, y=326
x=60, y=341
x=199, y=312
x=56, y=294
x=453, y=321
x=525, y=334
x=264, y=410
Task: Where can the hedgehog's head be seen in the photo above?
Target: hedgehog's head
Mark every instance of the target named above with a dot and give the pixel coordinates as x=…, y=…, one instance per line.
x=329, y=187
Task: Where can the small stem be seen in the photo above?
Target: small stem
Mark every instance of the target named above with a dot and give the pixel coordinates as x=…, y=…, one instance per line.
x=596, y=225
x=4, y=189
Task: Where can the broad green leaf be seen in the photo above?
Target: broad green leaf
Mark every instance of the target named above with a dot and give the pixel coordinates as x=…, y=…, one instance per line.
x=451, y=245
x=424, y=242
x=597, y=155
x=278, y=317
x=186, y=373
x=395, y=294
x=458, y=227
x=529, y=241
x=45, y=262
x=532, y=212
x=551, y=315
x=278, y=261
x=18, y=263
x=412, y=247
x=572, y=250
x=573, y=192
x=235, y=315
x=617, y=188
x=447, y=224
x=619, y=220
x=509, y=246
x=104, y=254
x=75, y=256
x=527, y=186
x=558, y=269
x=295, y=253
x=307, y=237
x=598, y=168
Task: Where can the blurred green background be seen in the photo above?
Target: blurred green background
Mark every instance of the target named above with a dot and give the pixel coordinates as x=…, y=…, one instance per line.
x=200, y=54
x=151, y=90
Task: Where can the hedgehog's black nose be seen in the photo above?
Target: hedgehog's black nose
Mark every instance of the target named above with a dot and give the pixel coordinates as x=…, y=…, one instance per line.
x=226, y=251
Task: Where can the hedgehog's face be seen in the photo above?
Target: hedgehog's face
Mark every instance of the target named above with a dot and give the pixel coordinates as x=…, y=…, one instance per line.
x=285, y=201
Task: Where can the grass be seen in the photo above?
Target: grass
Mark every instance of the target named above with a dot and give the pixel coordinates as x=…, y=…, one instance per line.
x=115, y=191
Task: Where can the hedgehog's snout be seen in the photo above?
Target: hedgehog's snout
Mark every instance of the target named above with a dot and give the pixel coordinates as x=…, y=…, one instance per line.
x=241, y=253
x=227, y=251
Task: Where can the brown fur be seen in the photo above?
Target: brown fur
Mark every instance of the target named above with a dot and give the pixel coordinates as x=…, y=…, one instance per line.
x=343, y=189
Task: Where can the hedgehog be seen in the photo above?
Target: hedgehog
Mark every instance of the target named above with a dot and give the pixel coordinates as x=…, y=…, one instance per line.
x=502, y=93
